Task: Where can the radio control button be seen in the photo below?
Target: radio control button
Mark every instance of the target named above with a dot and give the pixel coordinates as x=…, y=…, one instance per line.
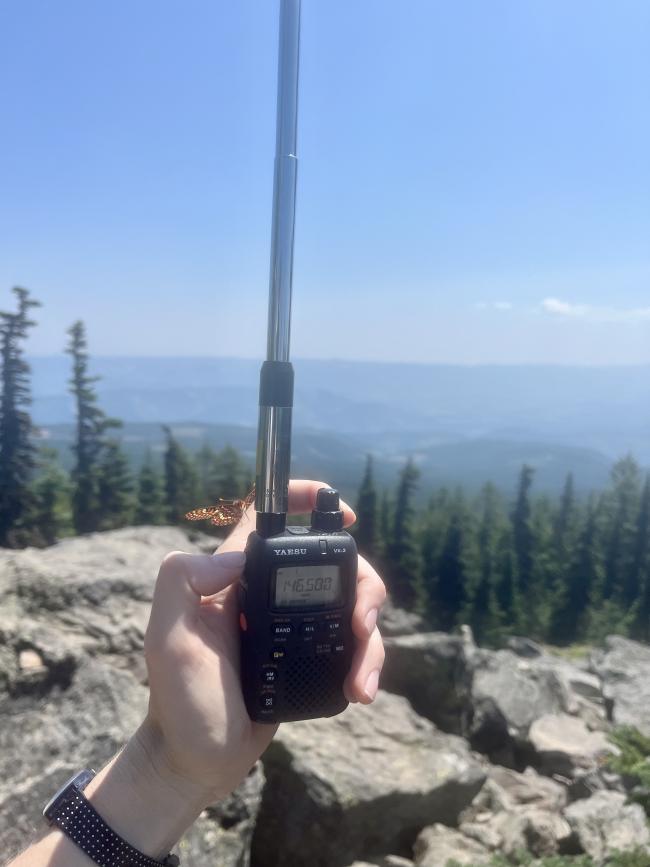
x=267, y=701
x=298, y=531
x=323, y=546
x=332, y=627
x=269, y=675
x=243, y=625
x=339, y=648
x=308, y=630
x=278, y=654
x=281, y=630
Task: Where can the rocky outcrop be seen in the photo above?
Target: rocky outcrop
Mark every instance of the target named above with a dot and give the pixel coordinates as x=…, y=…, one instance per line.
x=465, y=753
x=363, y=783
x=605, y=823
x=430, y=670
x=623, y=668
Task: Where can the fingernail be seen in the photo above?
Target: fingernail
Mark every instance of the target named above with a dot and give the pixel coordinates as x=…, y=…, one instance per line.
x=230, y=559
x=372, y=684
x=371, y=620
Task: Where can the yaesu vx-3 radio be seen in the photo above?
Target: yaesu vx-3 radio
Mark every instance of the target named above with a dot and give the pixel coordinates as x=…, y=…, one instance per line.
x=295, y=617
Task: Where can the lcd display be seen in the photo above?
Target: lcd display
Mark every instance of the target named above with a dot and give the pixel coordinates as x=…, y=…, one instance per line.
x=307, y=586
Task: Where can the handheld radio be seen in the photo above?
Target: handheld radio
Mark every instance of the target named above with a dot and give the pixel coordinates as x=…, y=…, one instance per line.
x=298, y=588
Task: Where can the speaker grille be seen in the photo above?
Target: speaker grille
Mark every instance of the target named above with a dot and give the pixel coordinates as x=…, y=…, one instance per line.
x=312, y=682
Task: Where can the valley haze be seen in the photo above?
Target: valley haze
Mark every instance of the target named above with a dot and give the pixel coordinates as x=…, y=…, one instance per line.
x=462, y=424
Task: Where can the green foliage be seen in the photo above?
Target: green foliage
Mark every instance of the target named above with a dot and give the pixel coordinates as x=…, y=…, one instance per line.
x=404, y=559
x=181, y=480
x=633, y=762
x=366, y=529
x=51, y=516
x=17, y=449
x=115, y=488
x=91, y=441
x=150, y=506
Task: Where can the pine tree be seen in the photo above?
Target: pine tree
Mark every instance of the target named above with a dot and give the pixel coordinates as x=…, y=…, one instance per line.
x=522, y=532
x=622, y=507
x=641, y=566
x=114, y=488
x=482, y=611
x=92, y=425
x=366, y=530
x=181, y=480
x=51, y=511
x=385, y=525
x=229, y=474
x=17, y=451
x=454, y=572
x=581, y=592
x=405, y=561
x=150, y=507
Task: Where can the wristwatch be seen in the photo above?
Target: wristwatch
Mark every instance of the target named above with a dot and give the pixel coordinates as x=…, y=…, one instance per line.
x=73, y=814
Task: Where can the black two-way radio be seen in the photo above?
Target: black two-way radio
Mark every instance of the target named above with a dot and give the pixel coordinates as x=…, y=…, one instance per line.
x=298, y=588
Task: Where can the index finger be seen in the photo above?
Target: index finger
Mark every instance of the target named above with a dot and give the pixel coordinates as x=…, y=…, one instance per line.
x=302, y=498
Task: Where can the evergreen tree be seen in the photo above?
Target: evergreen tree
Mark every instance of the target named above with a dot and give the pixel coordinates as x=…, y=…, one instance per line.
x=482, y=611
x=51, y=511
x=522, y=532
x=622, y=506
x=582, y=588
x=229, y=474
x=506, y=591
x=90, y=442
x=385, y=525
x=454, y=572
x=115, y=488
x=366, y=530
x=150, y=507
x=641, y=567
x=17, y=451
x=405, y=562
x=181, y=480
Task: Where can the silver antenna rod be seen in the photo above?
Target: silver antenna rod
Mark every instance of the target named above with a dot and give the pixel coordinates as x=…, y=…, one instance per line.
x=276, y=380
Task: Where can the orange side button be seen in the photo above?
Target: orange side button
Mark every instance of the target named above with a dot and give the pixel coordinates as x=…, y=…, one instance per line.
x=242, y=622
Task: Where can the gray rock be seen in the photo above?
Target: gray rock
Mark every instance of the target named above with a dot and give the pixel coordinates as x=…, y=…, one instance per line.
x=564, y=743
x=438, y=844
x=396, y=621
x=624, y=668
x=72, y=621
x=605, y=823
x=430, y=670
x=223, y=832
x=530, y=829
x=525, y=647
x=362, y=783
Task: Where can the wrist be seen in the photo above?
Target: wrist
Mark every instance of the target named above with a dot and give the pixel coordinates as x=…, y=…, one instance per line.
x=143, y=799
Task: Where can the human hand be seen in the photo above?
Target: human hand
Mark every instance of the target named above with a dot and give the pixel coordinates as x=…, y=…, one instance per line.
x=197, y=728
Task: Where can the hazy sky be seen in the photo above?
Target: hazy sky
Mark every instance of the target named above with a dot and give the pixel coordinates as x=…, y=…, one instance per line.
x=474, y=176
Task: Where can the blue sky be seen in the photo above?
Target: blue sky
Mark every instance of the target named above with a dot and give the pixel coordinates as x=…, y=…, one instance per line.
x=474, y=177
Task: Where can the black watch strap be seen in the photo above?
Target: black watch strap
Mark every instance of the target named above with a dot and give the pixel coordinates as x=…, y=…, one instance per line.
x=79, y=820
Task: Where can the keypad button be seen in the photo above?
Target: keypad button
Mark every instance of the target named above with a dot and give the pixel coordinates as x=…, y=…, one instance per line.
x=332, y=627
x=281, y=630
x=269, y=675
x=267, y=701
x=308, y=630
x=278, y=654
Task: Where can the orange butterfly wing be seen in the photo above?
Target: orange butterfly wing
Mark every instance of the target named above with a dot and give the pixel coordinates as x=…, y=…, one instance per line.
x=224, y=513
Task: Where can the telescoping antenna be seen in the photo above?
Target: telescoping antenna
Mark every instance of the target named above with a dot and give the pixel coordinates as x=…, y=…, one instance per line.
x=276, y=376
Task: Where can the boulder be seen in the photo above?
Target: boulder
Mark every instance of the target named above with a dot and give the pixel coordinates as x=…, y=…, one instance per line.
x=438, y=844
x=72, y=674
x=359, y=784
x=430, y=670
x=605, y=823
x=564, y=744
x=623, y=668
x=396, y=621
x=530, y=829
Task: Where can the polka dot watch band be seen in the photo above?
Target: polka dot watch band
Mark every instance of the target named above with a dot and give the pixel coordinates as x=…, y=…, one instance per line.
x=70, y=811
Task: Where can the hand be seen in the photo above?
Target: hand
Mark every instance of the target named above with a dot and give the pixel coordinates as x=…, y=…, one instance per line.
x=197, y=727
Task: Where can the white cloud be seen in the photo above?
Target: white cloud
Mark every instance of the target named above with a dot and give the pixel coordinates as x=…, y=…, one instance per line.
x=592, y=313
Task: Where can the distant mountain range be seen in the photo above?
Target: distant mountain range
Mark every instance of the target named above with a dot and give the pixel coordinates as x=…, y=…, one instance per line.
x=462, y=424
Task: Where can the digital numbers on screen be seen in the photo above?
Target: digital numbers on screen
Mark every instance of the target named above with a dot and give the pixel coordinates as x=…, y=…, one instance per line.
x=304, y=586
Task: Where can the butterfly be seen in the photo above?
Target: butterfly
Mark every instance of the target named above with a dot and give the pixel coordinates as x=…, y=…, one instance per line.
x=224, y=513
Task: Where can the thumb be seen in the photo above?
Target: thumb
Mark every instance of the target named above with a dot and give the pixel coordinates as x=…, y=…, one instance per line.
x=182, y=580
